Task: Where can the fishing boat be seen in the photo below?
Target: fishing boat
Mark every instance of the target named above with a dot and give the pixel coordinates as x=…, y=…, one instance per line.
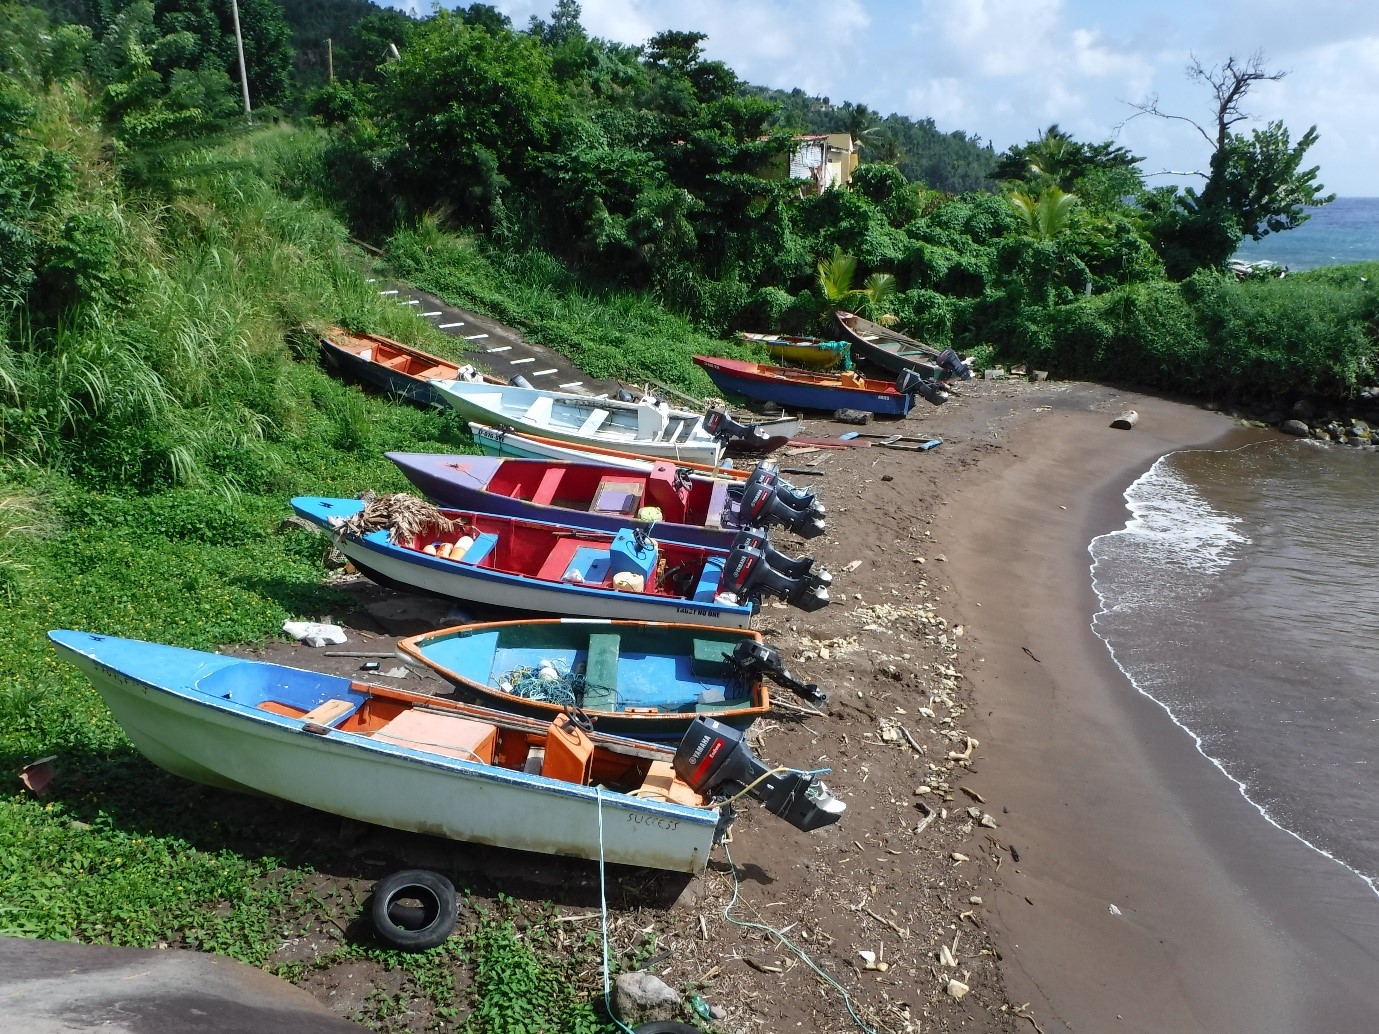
x=683, y=506
x=806, y=389
x=812, y=352
x=397, y=759
x=553, y=568
x=893, y=351
x=643, y=679
x=646, y=427
x=504, y=441
x=391, y=366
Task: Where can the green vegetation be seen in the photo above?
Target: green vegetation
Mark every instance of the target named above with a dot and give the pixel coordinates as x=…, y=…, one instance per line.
x=168, y=265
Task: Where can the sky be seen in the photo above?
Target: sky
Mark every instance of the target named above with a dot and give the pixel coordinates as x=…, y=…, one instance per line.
x=1004, y=70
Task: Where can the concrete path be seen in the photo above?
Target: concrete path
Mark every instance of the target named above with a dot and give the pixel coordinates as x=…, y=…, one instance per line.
x=498, y=349
x=53, y=987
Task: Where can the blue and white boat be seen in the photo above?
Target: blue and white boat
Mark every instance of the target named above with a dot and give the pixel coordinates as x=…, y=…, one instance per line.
x=541, y=567
x=412, y=762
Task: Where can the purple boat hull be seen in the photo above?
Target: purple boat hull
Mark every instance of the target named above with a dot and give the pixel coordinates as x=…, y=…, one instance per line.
x=461, y=483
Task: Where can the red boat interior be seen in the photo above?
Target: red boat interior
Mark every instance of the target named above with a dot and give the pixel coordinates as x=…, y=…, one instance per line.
x=560, y=750
x=555, y=554
x=587, y=487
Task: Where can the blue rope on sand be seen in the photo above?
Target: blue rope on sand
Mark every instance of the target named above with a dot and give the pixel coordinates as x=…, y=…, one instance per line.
x=566, y=689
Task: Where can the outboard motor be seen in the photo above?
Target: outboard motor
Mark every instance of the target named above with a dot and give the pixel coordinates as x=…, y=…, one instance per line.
x=714, y=760
x=954, y=364
x=911, y=383
x=718, y=424
x=519, y=382
x=753, y=660
x=749, y=572
x=765, y=500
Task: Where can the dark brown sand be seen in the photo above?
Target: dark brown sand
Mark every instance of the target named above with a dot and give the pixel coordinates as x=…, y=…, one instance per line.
x=1225, y=923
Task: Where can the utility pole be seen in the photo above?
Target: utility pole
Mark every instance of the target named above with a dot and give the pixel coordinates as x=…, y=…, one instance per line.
x=239, y=46
x=330, y=61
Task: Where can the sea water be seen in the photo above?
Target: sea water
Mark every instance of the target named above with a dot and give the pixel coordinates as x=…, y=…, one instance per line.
x=1242, y=595
x=1347, y=230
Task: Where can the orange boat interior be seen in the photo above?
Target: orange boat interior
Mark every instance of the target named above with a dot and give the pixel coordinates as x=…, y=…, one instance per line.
x=560, y=750
x=394, y=356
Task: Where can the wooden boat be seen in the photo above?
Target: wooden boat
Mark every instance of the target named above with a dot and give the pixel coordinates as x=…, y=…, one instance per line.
x=633, y=678
x=412, y=762
x=889, y=349
x=812, y=352
x=538, y=566
x=805, y=389
x=685, y=507
x=643, y=428
x=503, y=441
x=391, y=366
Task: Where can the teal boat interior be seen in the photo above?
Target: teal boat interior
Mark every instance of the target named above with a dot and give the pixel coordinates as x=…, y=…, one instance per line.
x=599, y=666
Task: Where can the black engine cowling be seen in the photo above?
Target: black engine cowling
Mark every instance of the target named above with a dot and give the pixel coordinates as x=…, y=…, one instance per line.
x=953, y=363
x=911, y=383
x=720, y=425
x=754, y=569
x=714, y=759
x=767, y=499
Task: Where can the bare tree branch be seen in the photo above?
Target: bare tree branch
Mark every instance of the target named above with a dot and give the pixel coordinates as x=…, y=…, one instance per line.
x=1230, y=82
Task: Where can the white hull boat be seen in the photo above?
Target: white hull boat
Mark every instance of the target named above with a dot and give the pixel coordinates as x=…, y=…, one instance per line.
x=411, y=762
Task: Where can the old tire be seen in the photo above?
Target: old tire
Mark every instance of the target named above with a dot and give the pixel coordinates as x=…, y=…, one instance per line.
x=666, y=1027
x=413, y=909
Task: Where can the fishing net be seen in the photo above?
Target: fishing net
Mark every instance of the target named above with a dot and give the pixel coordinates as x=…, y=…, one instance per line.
x=405, y=516
x=547, y=682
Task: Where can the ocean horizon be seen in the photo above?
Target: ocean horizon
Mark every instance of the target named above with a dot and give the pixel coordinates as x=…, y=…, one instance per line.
x=1347, y=230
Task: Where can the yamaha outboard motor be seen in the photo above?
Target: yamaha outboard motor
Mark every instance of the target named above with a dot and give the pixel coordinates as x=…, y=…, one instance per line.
x=753, y=569
x=954, y=364
x=911, y=383
x=714, y=760
x=718, y=424
x=765, y=500
x=753, y=660
x=798, y=499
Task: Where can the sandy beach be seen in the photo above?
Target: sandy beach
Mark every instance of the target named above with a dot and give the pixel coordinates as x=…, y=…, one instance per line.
x=1082, y=859
x=1149, y=895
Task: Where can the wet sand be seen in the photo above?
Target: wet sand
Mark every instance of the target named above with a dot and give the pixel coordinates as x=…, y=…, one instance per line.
x=1149, y=895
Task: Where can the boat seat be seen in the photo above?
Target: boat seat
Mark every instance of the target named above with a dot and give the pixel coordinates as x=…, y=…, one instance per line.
x=446, y=734
x=591, y=562
x=482, y=547
x=539, y=412
x=710, y=657
x=679, y=430
x=601, y=672
x=707, y=589
x=569, y=753
x=437, y=373
x=397, y=362
x=550, y=484
x=592, y=423
x=329, y=712
x=660, y=784
x=651, y=423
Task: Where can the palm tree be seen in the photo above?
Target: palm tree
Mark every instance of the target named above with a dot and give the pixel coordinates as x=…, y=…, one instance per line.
x=836, y=274
x=1047, y=215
